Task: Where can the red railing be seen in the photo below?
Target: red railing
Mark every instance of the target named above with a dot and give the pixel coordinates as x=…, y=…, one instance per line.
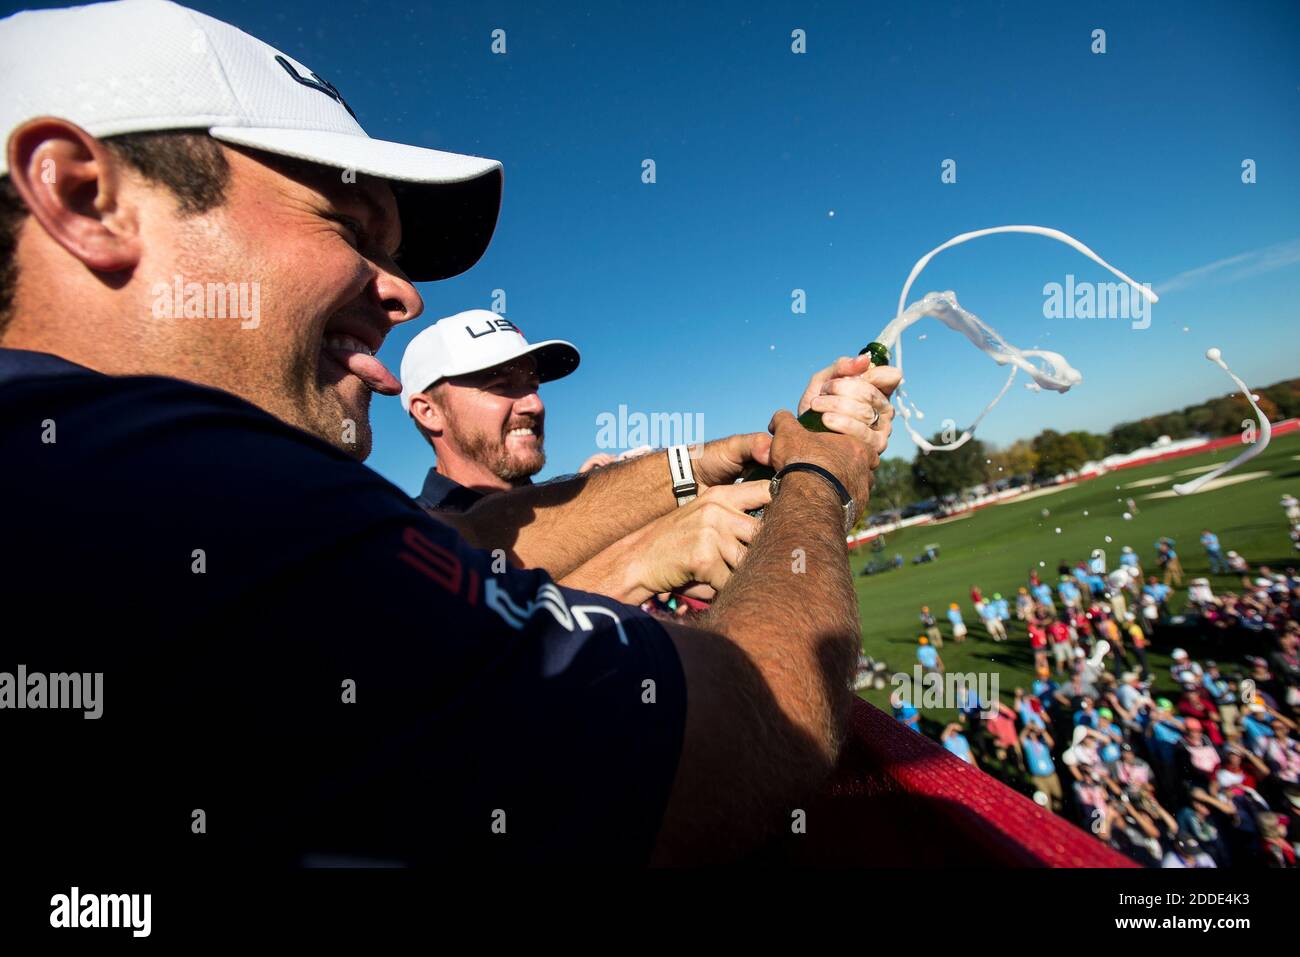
x=898, y=799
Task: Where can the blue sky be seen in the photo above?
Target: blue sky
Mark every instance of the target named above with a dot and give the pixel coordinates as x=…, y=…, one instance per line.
x=679, y=293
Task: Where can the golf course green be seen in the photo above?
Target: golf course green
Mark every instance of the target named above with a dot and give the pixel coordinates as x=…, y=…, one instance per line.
x=995, y=547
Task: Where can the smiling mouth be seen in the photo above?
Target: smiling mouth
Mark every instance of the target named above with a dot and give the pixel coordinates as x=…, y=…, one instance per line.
x=347, y=344
x=357, y=358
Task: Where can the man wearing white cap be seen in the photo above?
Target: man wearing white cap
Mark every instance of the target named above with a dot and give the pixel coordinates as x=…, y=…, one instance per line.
x=470, y=384
x=295, y=656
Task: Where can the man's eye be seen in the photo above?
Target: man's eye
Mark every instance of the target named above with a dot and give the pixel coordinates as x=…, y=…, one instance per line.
x=351, y=225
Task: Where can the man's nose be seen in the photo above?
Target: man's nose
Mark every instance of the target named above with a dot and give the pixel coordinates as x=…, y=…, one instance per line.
x=530, y=404
x=397, y=297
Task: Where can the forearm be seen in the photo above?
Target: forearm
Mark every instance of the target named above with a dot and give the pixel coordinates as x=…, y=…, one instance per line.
x=792, y=610
x=559, y=526
x=1145, y=823
x=768, y=691
x=611, y=572
x=1227, y=807
x=1261, y=767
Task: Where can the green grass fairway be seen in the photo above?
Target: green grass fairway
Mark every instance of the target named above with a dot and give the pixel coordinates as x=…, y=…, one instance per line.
x=996, y=546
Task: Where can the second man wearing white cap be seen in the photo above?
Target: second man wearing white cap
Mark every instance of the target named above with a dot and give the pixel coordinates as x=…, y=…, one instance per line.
x=470, y=384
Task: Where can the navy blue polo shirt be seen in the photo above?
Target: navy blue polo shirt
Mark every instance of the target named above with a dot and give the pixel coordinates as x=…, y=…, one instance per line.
x=446, y=495
x=290, y=645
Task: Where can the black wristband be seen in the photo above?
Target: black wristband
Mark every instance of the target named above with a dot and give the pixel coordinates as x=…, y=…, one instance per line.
x=845, y=497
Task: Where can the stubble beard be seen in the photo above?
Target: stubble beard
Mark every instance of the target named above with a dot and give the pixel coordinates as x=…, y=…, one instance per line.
x=492, y=453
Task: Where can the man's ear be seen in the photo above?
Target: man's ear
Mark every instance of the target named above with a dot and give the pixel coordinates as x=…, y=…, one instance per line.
x=71, y=184
x=428, y=413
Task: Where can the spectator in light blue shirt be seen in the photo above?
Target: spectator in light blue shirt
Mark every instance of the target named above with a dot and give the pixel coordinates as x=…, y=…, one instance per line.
x=1159, y=592
x=1086, y=715
x=1028, y=716
x=1069, y=593
x=1045, y=691
x=1113, y=734
x=1215, y=684
x=957, y=744
x=1038, y=758
x=927, y=656
x=1218, y=564
x=1164, y=733
x=1258, y=728
x=1036, y=745
x=906, y=714
x=969, y=704
x=958, y=626
x=1003, y=607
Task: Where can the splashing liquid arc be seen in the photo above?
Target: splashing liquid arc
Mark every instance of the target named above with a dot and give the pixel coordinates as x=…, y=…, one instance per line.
x=1215, y=355
x=1046, y=369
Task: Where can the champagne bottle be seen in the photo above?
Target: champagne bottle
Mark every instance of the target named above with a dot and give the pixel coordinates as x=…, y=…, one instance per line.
x=812, y=420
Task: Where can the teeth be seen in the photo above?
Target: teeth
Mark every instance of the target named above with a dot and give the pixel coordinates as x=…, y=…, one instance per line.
x=520, y=432
x=347, y=344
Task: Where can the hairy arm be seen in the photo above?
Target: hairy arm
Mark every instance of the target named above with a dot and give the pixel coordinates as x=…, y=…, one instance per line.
x=559, y=526
x=768, y=673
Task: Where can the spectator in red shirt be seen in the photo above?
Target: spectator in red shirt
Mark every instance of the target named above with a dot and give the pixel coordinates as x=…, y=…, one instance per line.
x=1060, y=644
x=1038, y=642
x=1195, y=703
x=1241, y=772
x=1001, y=729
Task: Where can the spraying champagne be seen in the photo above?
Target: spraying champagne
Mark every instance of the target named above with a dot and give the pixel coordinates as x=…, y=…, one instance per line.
x=812, y=420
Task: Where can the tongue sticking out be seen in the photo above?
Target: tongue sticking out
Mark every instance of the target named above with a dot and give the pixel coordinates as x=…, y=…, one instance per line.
x=368, y=369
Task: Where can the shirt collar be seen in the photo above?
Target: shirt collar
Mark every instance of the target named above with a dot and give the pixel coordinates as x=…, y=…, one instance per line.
x=17, y=364
x=442, y=493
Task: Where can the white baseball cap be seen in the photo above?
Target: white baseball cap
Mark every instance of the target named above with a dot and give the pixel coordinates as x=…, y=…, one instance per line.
x=136, y=66
x=473, y=341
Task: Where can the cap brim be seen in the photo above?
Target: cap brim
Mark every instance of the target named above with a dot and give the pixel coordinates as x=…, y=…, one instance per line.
x=449, y=202
x=555, y=358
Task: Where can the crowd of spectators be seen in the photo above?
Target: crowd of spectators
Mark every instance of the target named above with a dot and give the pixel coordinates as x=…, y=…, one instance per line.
x=1194, y=766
